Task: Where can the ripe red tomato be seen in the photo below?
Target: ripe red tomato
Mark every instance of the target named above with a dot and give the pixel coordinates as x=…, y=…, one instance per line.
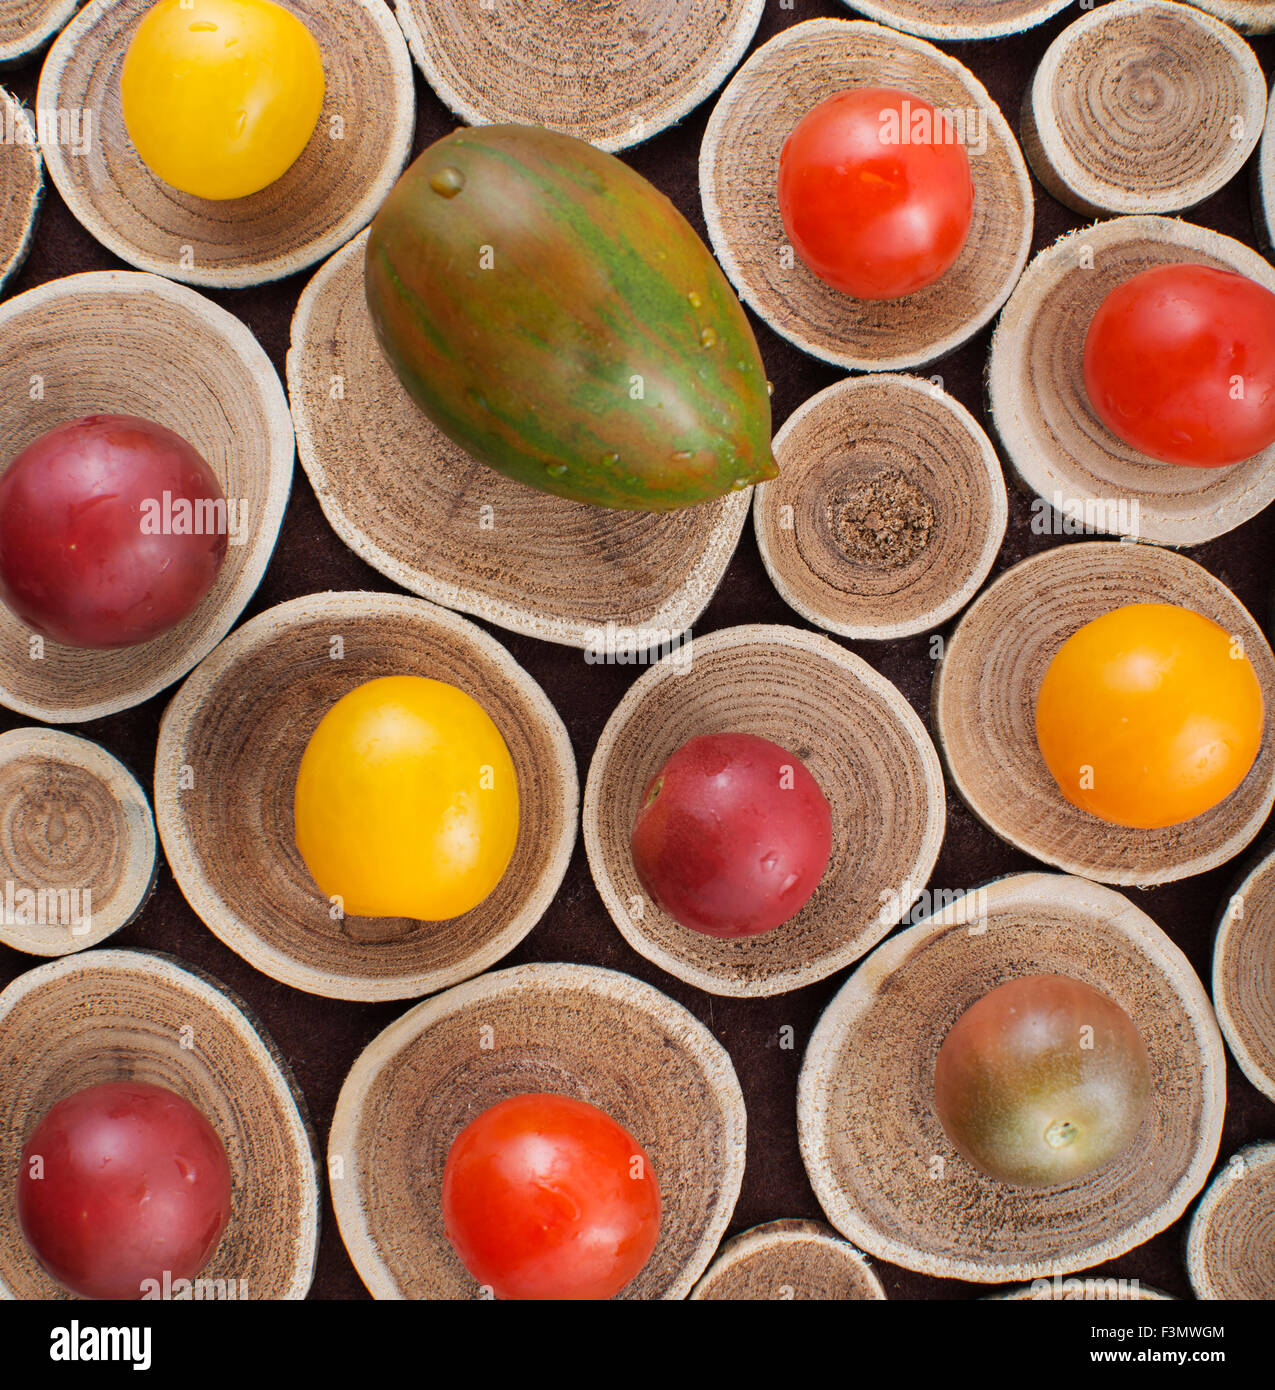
x=733, y=836
x=134, y=1183
x=112, y=529
x=875, y=192
x=545, y=1197
x=1180, y=365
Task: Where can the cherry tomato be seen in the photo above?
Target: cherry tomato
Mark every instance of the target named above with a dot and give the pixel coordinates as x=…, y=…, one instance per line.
x=1149, y=716
x=545, y=1197
x=119, y=1184
x=733, y=835
x=875, y=192
x=1180, y=365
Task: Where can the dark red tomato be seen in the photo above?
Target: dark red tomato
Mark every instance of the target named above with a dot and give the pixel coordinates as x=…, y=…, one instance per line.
x=134, y=1183
x=1180, y=365
x=733, y=835
x=875, y=192
x=98, y=546
x=545, y=1197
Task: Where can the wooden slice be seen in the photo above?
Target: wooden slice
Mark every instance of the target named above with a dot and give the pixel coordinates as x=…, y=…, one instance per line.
x=612, y=74
x=418, y=509
x=27, y=25
x=879, y=1161
x=788, y=1260
x=863, y=744
x=573, y=1030
x=1084, y=477
x=116, y=342
x=77, y=843
x=1095, y=1289
x=1262, y=185
x=984, y=712
x=237, y=729
x=961, y=19
x=888, y=511
x=136, y=1016
x=1243, y=972
x=21, y=185
x=1230, y=1248
x=358, y=150
x=1143, y=106
x=739, y=163
x=1248, y=16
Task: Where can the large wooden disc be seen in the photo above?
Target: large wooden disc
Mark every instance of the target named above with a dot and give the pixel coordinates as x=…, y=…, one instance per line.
x=27, y=25
x=1244, y=975
x=1230, y=1248
x=788, y=1260
x=21, y=186
x=961, y=19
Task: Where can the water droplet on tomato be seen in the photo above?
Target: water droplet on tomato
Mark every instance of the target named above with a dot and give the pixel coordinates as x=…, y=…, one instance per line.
x=695, y=300
x=708, y=338
x=556, y=470
x=447, y=182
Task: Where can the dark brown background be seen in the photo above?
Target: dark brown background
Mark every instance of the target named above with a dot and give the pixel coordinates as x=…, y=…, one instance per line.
x=321, y=1038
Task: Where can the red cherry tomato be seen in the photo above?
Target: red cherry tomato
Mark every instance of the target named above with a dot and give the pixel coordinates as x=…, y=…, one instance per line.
x=545, y=1197
x=119, y=1184
x=733, y=835
x=1180, y=365
x=875, y=192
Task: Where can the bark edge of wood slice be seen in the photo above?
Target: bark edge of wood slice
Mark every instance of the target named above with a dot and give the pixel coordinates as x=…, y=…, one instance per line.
x=21, y=187
x=956, y=20
x=1230, y=1245
x=788, y=1260
x=1262, y=183
x=1071, y=1288
x=1248, y=16
x=27, y=25
x=1243, y=965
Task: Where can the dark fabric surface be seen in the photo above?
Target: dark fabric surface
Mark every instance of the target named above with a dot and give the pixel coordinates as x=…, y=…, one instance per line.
x=321, y=1038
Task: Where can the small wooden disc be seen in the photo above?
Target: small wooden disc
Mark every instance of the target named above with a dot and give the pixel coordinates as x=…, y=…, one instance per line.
x=1143, y=106
x=880, y=1163
x=788, y=1260
x=1230, y=1248
x=573, y=1030
x=888, y=511
x=961, y=19
x=21, y=185
x=417, y=508
x=356, y=153
x=117, y=342
x=739, y=163
x=77, y=843
x=1086, y=478
x=984, y=712
x=237, y=730
x=136, y=1016
x=613, y=74
x=1096, y=1289
x=1244, y=975
x=863, y=744
x=1248, y=16
x=27, y=25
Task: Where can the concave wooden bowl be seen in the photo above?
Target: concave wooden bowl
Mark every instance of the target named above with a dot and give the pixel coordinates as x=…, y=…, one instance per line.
x=1248, y=16
x=1143, y=106
x=27, y=25
x=21, y=185
x=118, y=342
x=237, y=729
x=888, y=511
x=787, y=1260
x=76, y=832
x=1230, y=1248
x=417, y=508
x=612, y=74
x=883, y=1169
x=1095, y=1290
x=961, y=19
x=984, y=712
x=574, y=1030
x=1086, y=478
x=863, y=744
x=137, y=1016
x=1244, y=975
x=738, y=167
x=356, y=153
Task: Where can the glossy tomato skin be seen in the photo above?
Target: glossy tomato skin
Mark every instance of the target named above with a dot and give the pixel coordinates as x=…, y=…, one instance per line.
x=1180, y=365
x=86, y=555
x=546, y=1197
x=733, y=835
x=135, y=1183
x=875, y=193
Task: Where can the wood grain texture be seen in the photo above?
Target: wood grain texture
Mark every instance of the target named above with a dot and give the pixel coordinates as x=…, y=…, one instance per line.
x=788, y=1260
x=960, y=19
x=27, y=25
x=1248, y=16
x=1230, y=1247
x=21, y=186
x=1244, y=975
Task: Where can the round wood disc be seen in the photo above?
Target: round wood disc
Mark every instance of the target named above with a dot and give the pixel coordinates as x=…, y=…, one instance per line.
x=888, y=511
x=1073, y=1287
x=77, y=843
x=226, y=767
x=861, y=741
x=1083, y=476
x=961, y=19
x=117, y=342
x=136, y=1016
x=356, y=153
x=612, y=74
x=1248, y=16
x=21, y=186
x=27, y=25
x=417, y=508
x=573, y=1030
x=1143, y=106
x=739, y=163
x=1243, y=968
x=1230, y=1248
x=788, y=1260
x=878, y=1158
x=984, y=706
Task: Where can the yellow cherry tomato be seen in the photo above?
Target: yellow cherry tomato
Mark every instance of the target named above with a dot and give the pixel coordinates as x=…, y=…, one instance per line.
x=406, y=801
x=221, y=96
x=1149, y=716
